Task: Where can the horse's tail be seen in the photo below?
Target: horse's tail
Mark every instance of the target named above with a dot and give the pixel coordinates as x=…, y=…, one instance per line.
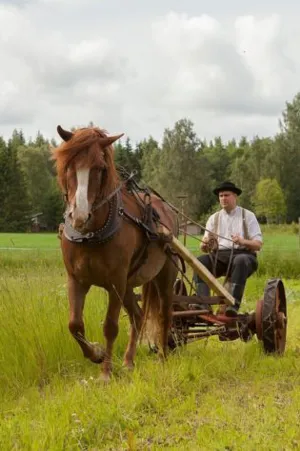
x=151, y=327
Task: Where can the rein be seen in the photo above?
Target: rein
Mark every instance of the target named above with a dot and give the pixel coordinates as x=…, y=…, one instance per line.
x=110, y=196
x=116, y=212
x=114, y=192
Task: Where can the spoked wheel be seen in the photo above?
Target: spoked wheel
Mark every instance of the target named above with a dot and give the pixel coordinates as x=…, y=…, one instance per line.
x=271, y=318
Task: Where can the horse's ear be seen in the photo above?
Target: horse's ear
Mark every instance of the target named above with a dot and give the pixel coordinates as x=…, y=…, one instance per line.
x=64, y=134
x=108, y=140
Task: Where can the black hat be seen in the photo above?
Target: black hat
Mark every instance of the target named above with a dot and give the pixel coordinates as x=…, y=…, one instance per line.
x=227, y=186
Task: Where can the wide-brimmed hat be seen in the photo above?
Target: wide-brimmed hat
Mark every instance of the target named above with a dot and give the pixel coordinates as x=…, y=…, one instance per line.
x=227, y=186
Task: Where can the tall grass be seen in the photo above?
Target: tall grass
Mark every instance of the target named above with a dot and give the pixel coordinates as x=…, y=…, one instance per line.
x=208, y=395
x=35, y=342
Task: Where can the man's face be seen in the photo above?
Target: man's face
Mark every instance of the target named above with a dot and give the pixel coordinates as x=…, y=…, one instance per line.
x=227, y=200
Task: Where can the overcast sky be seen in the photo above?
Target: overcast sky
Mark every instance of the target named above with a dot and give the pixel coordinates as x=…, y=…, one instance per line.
x=137, y=66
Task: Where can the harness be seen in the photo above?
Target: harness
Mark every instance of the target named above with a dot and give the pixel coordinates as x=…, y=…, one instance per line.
x=110, y=227
x=148, y=223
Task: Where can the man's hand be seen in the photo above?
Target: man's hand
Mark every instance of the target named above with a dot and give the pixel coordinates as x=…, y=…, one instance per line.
x=209, y=243
x=237, y=239
x=252, y=245
x=204, y=244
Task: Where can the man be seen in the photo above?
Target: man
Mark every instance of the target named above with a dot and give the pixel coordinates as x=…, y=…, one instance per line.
x=233, y=227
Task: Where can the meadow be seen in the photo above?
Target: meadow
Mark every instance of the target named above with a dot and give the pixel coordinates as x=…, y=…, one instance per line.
x=209, y=395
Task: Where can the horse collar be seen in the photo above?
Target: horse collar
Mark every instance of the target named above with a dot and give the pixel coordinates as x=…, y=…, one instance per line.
x=111, y=226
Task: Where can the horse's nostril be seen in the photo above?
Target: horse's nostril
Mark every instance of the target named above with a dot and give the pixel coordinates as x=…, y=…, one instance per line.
x=89, y=216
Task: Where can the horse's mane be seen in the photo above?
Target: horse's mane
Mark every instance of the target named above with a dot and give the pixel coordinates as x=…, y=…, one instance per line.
x=84, y=150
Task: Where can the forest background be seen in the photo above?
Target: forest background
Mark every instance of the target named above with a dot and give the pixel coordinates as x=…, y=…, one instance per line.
x=182, y=164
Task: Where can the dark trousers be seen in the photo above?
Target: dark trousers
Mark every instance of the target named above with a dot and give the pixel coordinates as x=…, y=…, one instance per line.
x=243, y=264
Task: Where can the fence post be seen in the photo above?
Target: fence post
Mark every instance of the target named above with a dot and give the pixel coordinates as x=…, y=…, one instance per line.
x=183, y=197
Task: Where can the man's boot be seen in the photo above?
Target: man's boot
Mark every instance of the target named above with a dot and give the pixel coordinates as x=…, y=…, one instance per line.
x=237, y=291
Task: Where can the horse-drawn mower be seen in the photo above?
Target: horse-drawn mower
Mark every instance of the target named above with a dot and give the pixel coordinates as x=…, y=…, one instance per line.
x=103, y=224
x=190, y=323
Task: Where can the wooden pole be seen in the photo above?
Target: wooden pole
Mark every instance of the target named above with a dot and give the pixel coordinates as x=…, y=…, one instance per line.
x=198, y=267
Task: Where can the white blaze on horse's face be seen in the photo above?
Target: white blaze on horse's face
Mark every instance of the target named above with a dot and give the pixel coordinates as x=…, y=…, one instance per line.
x=81, y=210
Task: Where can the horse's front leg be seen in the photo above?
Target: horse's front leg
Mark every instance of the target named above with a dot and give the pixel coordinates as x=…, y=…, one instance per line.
x=111, y=327
x=77, y=293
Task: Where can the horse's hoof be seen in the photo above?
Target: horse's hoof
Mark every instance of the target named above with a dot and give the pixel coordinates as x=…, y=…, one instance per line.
x=105, y=378
x=129, y=366
x=98, y=353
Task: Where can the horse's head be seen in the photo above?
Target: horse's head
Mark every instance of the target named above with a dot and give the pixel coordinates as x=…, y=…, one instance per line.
x=86, y=171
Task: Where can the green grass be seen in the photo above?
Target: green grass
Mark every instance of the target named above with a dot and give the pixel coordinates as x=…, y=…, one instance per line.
x=209, y=395
x=29, y=251
x=274, y=239
x=29, y=241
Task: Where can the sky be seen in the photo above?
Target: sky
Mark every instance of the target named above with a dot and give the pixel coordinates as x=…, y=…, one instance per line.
x=137, y=66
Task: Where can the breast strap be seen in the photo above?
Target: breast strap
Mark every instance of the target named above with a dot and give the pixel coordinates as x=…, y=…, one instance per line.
x=111, y=226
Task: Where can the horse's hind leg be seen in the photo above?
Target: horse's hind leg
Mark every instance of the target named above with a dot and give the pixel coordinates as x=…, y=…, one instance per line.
x=77, y=294
x=135, y=316
x=164, y=282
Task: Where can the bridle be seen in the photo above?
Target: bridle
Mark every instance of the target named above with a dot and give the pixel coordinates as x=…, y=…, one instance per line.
x=97, y=205
x=116, y=213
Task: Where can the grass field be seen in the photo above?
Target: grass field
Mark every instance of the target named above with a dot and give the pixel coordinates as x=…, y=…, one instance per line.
x=40, y=241
x=207, y=396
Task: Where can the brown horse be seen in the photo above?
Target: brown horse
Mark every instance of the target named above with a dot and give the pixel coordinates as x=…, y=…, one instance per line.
x=103, y=246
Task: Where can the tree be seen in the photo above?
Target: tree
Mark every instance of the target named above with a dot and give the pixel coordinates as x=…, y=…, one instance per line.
x=182, y=168
x=124, y=155
x=242, y=173
x=269, y=200
x=53, y=206
x=219, y=160
x=15, y=207
x=288, y=156
x=149, y=152
x=34, y=162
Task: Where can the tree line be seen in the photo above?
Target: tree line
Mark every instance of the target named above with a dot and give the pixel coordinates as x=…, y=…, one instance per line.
x=183, y=164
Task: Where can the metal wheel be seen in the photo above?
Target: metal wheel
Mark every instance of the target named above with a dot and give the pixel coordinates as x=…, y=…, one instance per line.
x=273, y=325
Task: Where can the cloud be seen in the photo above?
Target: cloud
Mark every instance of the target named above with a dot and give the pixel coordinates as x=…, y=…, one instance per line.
x=215, y=73
x=44, y=71
x=24, y=3
x=208, y=67
x=142, y=78
x=16, y=2
x=266, y=55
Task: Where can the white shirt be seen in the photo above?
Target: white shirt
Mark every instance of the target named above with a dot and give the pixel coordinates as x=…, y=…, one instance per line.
x=232, y=224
